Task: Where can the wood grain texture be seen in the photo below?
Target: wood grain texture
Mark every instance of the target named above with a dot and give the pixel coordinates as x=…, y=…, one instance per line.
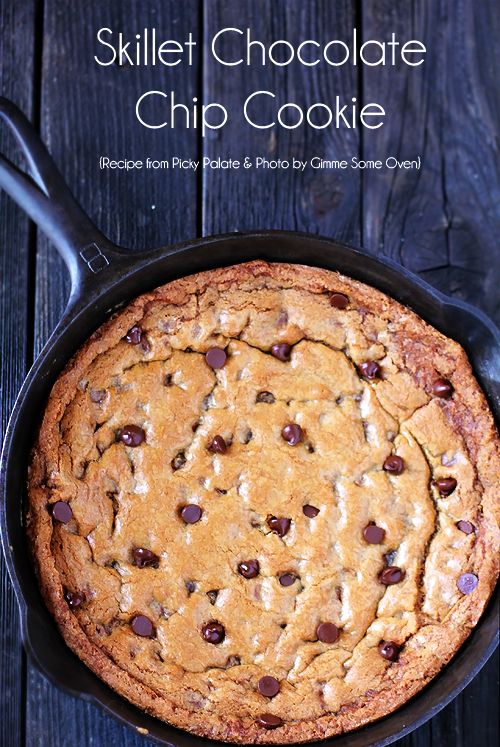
x=471, y=720
x=16, y=243
x=55, y=719
x=443, y=221
x=317, y=202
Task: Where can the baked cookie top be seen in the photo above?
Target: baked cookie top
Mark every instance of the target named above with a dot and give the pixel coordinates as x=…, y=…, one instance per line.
x=263, y=503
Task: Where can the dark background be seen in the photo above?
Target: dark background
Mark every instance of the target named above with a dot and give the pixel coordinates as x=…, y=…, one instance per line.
x=442, y=222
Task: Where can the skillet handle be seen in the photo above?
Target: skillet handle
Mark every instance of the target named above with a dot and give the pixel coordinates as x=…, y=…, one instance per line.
x=48, y=201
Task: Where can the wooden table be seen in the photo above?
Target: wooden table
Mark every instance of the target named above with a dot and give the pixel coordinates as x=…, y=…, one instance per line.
x=442, y=222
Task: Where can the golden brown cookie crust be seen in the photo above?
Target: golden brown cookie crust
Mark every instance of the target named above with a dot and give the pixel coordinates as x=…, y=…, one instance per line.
x=122, y=498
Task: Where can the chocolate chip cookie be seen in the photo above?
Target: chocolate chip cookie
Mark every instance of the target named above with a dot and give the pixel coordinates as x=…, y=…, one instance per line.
x=263, y=503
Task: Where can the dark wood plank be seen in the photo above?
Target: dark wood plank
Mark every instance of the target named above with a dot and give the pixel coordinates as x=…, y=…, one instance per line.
x=479, y=702
x=16, y=237
x=55, y=719
x=442, y=221
x=88, y=111
x=325, y=202
x=458, y=725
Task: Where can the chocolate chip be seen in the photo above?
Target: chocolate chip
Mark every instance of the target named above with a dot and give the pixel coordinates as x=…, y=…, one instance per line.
x=221, y=491
x=190, y=587
x=327, y=632
x=74, y=598
x=266, y=397
x=61, y=511
x=218, y=445
x=212, y=595
x=465, y=526
x=280, y=525
x=191, y=513
x=270, y=721
x=394, y=464
x=442, y=388
x=168, y=380
x=287, y=579
x=145, y=346
x=389, y=650
x=370, y=369
x=391, y=575
x=281, y=351
x=445, y=485
x=134, y=335
x=292, y=433
x=142, y=625
x=178, y=461
x=144, y=558
x=213, y=632
x=467, y=582
x=310, y=511
x=215, y=357
x=97, y=396
x=131, y=435
x=339, y=301
x=268, y=686
x=373, y=534
x=249, y=568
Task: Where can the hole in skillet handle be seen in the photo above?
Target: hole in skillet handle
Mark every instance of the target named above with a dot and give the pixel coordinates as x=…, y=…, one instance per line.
x=94, y=258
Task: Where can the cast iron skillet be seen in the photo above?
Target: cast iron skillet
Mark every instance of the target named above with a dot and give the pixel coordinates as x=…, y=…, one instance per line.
x=104, y=276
